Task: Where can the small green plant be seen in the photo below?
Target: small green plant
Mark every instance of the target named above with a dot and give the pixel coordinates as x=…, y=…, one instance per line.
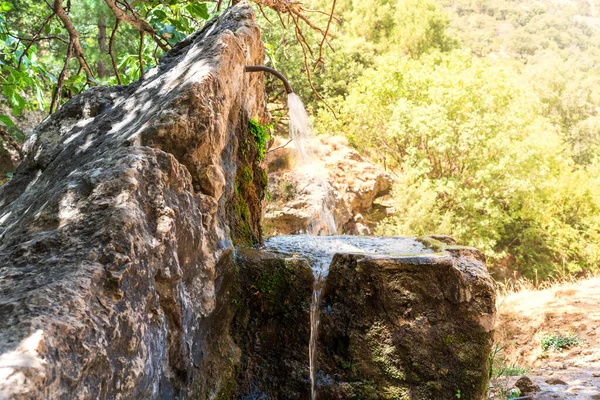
x=500, y=372
x=458, y=394
x=558, y=341
x=261, y=136
x=512, y=394
x=510, y=370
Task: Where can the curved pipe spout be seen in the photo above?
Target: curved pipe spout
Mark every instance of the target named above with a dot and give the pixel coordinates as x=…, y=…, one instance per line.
x=260, y=68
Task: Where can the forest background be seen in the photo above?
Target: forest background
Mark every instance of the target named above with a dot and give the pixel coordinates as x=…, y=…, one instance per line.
x=486, y=113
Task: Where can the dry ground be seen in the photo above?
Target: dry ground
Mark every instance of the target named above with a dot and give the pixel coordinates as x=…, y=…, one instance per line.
x=528, y=316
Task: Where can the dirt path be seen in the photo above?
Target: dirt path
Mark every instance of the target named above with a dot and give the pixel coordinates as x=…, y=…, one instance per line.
x=571, y=310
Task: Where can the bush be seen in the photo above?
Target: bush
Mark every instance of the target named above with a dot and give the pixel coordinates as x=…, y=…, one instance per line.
x=475, y=159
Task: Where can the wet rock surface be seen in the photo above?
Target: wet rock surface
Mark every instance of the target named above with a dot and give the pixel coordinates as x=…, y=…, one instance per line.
x=116, y=231
x=416, y=324
x=272, y=325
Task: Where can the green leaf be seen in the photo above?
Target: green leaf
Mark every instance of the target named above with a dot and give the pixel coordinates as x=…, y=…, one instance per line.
x=5, y=6
x=198, y=10
x=5, y=119
x=160, y=15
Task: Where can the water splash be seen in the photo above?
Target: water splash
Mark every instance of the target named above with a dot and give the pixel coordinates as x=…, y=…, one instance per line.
x=323, y=202
x=301, y=129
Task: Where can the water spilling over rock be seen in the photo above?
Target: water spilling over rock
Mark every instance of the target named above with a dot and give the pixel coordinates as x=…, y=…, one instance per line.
x=321, y=200
x=399, y=318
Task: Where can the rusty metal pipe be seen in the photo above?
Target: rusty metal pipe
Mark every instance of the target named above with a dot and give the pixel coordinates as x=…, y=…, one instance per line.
x=261, y=68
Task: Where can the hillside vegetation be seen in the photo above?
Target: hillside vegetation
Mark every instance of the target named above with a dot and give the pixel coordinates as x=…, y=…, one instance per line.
x=487, y=114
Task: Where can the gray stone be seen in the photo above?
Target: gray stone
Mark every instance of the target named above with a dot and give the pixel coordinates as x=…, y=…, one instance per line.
x=526, y=385
x=555, y=381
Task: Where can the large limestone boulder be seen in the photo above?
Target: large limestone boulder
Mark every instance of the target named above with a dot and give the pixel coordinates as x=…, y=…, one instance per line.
x=407, y=327
x=416, y=325
x=355, y=184
x=117, y=230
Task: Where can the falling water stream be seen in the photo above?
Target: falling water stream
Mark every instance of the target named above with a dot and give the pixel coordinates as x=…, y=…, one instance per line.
x=323, y=222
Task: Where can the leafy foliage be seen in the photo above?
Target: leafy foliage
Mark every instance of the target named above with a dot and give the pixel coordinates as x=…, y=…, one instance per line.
x=474, y=158
x=501, y=152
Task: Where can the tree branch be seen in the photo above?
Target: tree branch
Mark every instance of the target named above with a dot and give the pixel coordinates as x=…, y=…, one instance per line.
x=111, y=52
x=141, y=54
x=133, y=20
x=61, y=78
x=35, y=38
x=320, y=59
x=74, y=38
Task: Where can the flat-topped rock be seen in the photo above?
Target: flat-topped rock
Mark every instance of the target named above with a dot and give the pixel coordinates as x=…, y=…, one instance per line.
x=401, y=318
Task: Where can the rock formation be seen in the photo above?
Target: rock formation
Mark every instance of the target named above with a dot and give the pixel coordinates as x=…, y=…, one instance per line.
x=414, y=327
x=404, y=327
x=116, y=231
x=355, y=181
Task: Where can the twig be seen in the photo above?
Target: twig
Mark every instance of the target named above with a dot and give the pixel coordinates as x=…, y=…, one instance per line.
x=308, y=76
x=320, y=59
x=61, y=78
x=34, y=38
x=26, y=39
x=141, y=55
x=74, y=38
x=299, y=32
x=320, y=12
x=154, y=54
x=133, y=20
x=280, y=147
x=112, y=53
x=281, y=19
x=12, y=142
x=264, y=15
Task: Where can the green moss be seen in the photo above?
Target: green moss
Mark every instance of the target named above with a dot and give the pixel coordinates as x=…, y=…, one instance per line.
x=395, y=393
x=243, y=231
x=364, y=390
x=264, y=178
x=275, y=286
x=261, y=136
x=449, y=339
x=383, y=352
x=246, y=176
x=434, y=385
x=242, y=210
